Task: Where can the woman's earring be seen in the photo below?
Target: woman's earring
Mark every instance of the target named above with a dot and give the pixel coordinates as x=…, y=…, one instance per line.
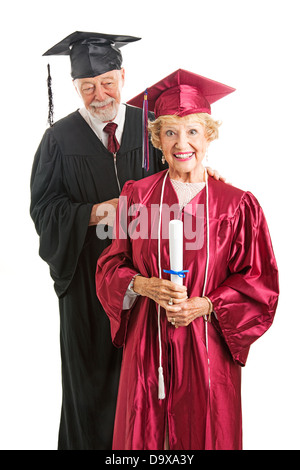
x=206, y=157
x=163, y=160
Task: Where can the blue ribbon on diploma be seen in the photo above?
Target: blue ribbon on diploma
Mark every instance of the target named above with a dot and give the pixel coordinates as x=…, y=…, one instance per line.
x=178, y=273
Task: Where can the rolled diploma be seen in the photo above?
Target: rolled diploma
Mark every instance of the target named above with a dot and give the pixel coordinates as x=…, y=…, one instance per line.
x=176, y=249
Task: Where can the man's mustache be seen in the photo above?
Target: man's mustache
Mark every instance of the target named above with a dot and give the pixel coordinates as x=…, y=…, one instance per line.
x=101, y=104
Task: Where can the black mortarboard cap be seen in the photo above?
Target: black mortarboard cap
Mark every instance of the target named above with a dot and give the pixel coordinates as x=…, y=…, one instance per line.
x=92, y=54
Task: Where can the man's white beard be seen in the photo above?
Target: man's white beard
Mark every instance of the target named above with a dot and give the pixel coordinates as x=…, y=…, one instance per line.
x=104, y=115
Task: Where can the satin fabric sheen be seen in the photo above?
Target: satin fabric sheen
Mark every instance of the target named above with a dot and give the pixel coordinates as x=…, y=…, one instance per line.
x=181, y=100
x=243, y=286
x=182, y=93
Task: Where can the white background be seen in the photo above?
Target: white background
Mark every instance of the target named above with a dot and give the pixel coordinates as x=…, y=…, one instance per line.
x=250, y=45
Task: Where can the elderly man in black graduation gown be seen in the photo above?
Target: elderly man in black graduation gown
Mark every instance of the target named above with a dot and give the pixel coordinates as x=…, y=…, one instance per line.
x=73, y=171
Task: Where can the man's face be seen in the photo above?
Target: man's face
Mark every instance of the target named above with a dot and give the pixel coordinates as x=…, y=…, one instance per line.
x=101, y=95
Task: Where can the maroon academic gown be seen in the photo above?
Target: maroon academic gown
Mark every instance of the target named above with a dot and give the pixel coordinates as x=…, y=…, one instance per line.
x=202, y=375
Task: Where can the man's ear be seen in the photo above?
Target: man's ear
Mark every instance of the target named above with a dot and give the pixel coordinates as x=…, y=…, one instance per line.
x=76, y=87
x=123, y=75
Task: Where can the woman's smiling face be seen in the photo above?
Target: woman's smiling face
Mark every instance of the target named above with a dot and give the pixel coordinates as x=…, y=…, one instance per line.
x=184, y=146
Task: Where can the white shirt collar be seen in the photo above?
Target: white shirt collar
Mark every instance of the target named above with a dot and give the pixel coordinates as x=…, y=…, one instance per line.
x=98, y=126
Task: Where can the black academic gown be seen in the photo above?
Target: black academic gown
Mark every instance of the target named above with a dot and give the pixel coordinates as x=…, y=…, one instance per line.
x=72, y=171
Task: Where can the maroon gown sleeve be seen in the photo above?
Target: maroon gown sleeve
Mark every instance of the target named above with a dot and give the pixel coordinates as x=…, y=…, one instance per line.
x=115, y=271
x=246, y=301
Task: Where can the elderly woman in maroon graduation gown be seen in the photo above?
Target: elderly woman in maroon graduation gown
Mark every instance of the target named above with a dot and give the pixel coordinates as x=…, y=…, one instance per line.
x=197, y=334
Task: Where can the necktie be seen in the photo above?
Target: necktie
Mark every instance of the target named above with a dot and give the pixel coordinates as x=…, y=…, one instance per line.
x=113, y=145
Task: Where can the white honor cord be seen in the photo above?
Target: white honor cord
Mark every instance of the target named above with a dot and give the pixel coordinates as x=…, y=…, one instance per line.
x=206, y=269
x=207, y=236
x=161, y=382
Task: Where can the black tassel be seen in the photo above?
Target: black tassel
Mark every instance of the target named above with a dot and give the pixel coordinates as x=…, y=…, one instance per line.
x=50, y=97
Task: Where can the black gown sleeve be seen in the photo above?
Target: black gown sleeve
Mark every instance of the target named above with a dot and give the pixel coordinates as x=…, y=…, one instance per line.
x=60, y=222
